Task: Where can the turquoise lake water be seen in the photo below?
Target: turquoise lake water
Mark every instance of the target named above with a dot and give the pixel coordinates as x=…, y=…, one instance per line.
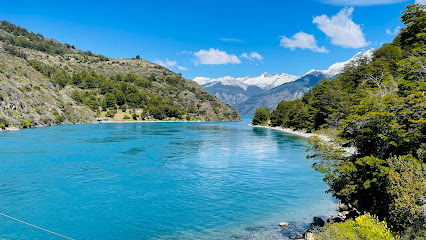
x=157, y=181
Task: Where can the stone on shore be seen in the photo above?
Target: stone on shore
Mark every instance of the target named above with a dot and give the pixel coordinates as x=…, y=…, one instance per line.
x=284, y=224
x=343, y=206
x=11, y=129
x=309, y=236
x=318, y=222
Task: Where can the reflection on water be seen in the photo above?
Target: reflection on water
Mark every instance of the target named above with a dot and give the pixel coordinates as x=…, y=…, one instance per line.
x=157, y=181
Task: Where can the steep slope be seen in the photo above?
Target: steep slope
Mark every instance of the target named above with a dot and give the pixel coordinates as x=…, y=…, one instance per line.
x=293, y=90
x=44, y=82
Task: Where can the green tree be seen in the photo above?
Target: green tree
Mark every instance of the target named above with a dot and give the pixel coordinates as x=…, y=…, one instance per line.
x=261, y=116
x=110, y=100
x=121, y=98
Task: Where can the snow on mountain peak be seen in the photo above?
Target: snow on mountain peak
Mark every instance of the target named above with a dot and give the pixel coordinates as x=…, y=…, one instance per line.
x=338, y=67
x=264, y=81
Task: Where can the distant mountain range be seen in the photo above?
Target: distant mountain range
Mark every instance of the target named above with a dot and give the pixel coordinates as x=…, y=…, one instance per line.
x=267, y=90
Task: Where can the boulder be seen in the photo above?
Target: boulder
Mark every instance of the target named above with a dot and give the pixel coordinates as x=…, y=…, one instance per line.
x=353, y=214
x=318, y=222
x=309, y=236
x=341, y=206
x=342, y=214
x=284, y=224
x=297, y=236
x=336, y=219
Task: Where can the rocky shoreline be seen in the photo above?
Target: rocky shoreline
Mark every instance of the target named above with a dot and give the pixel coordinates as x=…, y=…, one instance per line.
x=345, y=211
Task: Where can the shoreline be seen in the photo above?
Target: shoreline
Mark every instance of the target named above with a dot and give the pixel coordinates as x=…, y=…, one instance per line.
x=295, y=132
x=349, y=150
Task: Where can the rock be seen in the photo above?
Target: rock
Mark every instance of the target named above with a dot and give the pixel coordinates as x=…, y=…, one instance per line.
x=342, y=214
x=343, y=206
x=284, y=224
x=336, y=219
x=353, y=214
x=309, y=236
x=12, y=129
x=297, y=236
x=318, y=222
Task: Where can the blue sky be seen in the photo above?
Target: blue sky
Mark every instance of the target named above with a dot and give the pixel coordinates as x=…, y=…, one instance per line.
x=215, y=38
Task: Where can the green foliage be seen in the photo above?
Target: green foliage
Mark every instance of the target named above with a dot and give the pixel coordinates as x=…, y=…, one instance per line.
x=365, y=227
x=26, y=123
x=110, y=113
x=261, y=116
x=158, y=113
x=126, y=117
x=58, y=118
x=407, y=178
x=135, y=116
x=414, y=18
x=110, y=100
x=3, y=123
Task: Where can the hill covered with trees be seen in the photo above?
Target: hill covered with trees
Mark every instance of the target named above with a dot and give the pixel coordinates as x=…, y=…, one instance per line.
x=44, y=82
x=377, y=106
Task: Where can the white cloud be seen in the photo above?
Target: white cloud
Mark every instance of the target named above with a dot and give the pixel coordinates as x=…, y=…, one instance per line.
x=215, y=57
x=255, y=55
x=341, y=29
x=182, y=68
x=252, y=56
x=245, y=55
x=301, y=40
x=394, y=32
x=185, y=52
x=362, y=2
x=236, y=40
x=168, y=63
x=421, y=2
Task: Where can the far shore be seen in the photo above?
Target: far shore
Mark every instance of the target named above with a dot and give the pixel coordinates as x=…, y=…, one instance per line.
x=14, y=129
x=148, y=121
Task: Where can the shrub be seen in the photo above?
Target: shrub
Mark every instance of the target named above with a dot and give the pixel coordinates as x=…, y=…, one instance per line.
x=135, y=116
x=110, y=113
x=26, y=123
x=364, y=227
x=3, y=123
x=126, y=117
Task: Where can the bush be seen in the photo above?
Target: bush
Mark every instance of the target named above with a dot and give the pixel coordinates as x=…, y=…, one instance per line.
x=135, y=116
x=3, y=123
x=111, y=113
x=26, y=123
x=126, y=117
x=364, y=227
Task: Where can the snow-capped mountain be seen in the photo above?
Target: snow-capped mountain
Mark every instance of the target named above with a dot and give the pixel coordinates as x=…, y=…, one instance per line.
x=338, y=67
x=265, y=81
x=267, y=90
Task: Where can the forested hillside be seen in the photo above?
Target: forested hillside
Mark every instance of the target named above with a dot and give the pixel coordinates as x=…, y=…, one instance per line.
x=44, y=82
x=377, y=106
